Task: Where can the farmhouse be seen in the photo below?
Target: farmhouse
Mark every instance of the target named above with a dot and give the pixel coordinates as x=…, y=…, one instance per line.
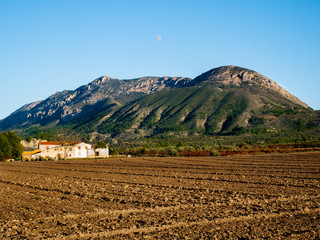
x=65, y=150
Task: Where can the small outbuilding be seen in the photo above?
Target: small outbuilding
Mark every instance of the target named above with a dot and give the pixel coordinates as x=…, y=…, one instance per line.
x=102, y=152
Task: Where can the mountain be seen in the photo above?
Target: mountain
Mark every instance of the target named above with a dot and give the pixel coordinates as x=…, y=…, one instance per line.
x=220, y=101
x=102, y=93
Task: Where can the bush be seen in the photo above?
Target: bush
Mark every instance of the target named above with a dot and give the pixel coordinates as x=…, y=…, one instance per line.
x=28, y=138
x=181, y=144
x=114, y=151
x=172, y=152
x=214, y=153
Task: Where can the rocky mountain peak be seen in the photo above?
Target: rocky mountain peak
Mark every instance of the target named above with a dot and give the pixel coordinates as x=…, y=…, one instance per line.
x=101, y=80
x=238, y=76
x=231, y=75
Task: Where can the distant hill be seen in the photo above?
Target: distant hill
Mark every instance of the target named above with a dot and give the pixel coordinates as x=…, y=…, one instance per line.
x=224, y=100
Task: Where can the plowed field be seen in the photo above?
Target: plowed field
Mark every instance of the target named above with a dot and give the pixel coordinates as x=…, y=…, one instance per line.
x=265, y=196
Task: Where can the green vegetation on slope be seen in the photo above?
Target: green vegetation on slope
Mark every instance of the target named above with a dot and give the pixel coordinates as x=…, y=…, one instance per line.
x=192, y=109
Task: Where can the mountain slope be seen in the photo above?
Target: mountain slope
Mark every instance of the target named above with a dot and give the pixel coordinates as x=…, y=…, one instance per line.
x=190, y=108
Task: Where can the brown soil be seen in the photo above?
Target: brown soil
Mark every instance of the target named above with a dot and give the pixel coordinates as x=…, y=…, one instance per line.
x=233, y=197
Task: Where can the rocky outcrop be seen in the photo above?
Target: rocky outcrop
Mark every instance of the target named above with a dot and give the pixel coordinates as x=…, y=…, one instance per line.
x=32, y=144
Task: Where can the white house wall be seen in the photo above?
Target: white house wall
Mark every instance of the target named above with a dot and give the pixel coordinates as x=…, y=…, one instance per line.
x=81, y=150
x=54, y=153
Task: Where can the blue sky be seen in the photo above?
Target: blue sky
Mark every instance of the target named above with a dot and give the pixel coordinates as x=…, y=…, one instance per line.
x=53, y=45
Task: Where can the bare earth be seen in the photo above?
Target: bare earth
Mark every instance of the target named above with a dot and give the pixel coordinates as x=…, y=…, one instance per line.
x=235, y=197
